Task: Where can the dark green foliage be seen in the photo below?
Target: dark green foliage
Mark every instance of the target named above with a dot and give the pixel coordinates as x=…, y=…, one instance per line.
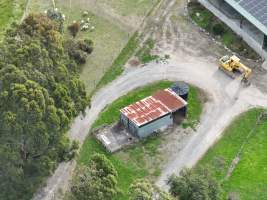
x=218, y=29
x=194, y=185
x=141, y=189
x=86, y=45
x=57, y=16
x=79, y=50
x=40, y=93
x=97, y=181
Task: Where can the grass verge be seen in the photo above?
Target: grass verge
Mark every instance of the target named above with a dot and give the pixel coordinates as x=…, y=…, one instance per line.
x=249, y=178
x=143, y=159
x=116, y=68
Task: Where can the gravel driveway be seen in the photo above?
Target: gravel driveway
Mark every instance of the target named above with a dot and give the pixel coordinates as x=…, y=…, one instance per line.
x=191, y=61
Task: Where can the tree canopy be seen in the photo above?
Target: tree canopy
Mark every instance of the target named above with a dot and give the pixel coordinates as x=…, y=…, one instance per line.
x=194, y=185
x=40, y=93
x=97, y=181
x=141, y=189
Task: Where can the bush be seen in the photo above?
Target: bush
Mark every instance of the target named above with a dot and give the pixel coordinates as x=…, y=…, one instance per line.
x=74, y=28
x=218, y=29
x=80, y=57
x=79, y=50
x=97, y=181
x=195, y=185
x=141, y=189
x=86, y=45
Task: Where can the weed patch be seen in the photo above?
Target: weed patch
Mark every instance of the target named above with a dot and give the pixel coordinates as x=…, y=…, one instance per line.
x=206, y=20
x=144, y=53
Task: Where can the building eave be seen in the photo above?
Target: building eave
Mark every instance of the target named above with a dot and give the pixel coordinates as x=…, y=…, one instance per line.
x=247, y=15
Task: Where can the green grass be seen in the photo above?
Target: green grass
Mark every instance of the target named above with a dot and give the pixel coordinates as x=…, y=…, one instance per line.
x=130, y=7
x=144, y=53
x=249, y=179
x=109, y=40
x=228, y=38
x=142, y=159
x=116, y=68
x=204, y=18
x=194, y=108
x=36, y=6
x=112, y=112
x=10, y=10
x=114, y=42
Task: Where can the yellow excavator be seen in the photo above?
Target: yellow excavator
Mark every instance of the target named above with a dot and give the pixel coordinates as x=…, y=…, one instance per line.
x=234, y=68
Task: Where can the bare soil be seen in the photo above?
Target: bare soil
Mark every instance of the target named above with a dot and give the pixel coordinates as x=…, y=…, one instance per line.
x=193, y=59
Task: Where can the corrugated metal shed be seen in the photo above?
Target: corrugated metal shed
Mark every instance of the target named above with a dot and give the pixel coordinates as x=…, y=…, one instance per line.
x=153, y=107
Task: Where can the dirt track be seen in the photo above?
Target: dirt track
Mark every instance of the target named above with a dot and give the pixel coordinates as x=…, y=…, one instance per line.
x=194, y=60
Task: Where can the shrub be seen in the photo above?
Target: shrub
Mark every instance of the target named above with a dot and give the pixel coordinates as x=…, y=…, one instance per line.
x=79, y=50
x=97, y=181
x=74, y=28
x=194, y=185
x=218, y=29
x=86, y=45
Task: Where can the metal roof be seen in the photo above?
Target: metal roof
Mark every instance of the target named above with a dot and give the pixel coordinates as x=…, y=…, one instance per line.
x=254, y=10
x=153, y=107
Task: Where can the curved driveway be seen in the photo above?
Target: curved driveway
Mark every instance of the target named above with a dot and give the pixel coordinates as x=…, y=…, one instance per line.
x=227, y=99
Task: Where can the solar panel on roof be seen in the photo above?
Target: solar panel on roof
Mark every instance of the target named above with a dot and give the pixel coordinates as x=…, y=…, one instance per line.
x=257, y=8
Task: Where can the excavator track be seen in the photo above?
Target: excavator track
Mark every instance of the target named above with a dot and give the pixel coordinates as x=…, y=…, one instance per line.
x=230, y=74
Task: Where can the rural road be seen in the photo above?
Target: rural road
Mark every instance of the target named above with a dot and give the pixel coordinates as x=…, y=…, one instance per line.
x=227, y=99
x=190, y=61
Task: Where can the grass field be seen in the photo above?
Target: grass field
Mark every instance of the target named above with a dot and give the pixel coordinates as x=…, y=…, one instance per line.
x=249, y=179
x=36, y=6
x=143, y=159
x=130, y=7
x=112, y=44
x=10, y=10
x=108, y=40
x=116, y=69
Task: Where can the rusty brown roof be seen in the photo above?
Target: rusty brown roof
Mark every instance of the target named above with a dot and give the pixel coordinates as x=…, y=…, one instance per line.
x=153, y=107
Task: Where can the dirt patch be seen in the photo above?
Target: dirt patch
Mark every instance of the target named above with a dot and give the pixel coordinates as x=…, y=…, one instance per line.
x=203, y=96
x=134, y=62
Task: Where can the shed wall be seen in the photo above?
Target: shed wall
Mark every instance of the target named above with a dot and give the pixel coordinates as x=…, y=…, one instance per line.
x=129, y=125
x=148, y=129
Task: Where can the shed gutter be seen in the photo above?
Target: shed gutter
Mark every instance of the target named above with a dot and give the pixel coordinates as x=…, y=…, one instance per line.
x=247, y=15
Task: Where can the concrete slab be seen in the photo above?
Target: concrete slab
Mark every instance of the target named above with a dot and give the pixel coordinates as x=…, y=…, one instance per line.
x=115, y=137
